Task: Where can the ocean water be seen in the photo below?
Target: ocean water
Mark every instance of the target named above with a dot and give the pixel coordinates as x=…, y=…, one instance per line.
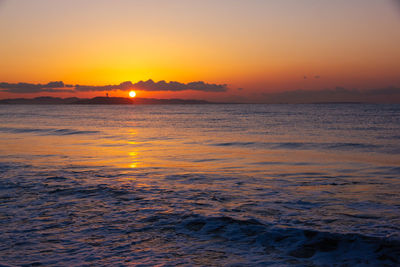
x=200, y=185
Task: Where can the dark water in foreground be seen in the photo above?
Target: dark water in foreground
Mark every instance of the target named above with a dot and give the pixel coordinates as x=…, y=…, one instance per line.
x=208, y=185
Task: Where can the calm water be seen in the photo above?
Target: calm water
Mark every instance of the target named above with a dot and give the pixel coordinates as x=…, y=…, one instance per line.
x=235, y=185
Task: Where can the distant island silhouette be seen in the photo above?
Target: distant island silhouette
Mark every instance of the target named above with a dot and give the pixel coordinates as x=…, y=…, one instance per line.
x=101, y=100
x=47, y=100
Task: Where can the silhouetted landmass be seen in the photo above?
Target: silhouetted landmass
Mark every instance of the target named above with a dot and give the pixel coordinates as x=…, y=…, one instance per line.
x=104, y=101
x=44, y=100
x=98, y=101
x=146, y=101
x=342, y=103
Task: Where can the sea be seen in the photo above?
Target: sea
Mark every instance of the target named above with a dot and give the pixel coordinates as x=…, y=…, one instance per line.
x=200, y=185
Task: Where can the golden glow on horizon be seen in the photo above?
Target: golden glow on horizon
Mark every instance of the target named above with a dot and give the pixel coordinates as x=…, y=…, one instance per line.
x=132, y=94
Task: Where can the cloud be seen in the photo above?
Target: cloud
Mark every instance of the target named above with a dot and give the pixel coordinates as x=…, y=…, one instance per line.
x=22, y=88
x=148, y=85
x=305, y=77
x=396, y=2
x=122, y=86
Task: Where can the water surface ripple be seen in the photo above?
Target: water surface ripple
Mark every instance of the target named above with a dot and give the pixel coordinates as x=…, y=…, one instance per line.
x=206, y=185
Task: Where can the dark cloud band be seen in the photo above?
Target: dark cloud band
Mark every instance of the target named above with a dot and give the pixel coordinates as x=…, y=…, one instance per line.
x=149, y=85
x=21, y=88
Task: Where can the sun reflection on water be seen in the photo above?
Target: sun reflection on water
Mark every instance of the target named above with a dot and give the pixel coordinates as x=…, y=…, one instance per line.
x=133, y=165
x=133, y=154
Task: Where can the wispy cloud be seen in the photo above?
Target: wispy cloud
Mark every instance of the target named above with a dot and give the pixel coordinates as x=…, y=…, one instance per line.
x=150, y=85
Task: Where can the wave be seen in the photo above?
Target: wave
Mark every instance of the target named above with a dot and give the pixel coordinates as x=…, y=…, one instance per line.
x=301, y=245
x=284, y=163
x=235, y=144
x=305, y=145
x=46, y=131
x=76, y=214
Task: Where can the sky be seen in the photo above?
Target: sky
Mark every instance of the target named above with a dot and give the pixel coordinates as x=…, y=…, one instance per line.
x=218, y=50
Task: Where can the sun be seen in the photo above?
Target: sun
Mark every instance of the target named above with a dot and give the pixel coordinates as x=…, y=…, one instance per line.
x=132, y=94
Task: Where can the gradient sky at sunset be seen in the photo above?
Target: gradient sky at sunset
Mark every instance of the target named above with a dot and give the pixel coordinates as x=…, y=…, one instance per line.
x=253, y=46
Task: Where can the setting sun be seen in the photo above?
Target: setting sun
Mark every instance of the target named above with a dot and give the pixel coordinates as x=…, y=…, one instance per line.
x=132, y=94
x=209, y=133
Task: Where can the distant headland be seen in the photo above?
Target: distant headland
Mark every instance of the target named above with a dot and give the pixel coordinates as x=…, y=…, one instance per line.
x=100, y=100
x=47, y=100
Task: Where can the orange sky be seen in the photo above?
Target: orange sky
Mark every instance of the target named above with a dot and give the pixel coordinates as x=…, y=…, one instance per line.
x=260, y=46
